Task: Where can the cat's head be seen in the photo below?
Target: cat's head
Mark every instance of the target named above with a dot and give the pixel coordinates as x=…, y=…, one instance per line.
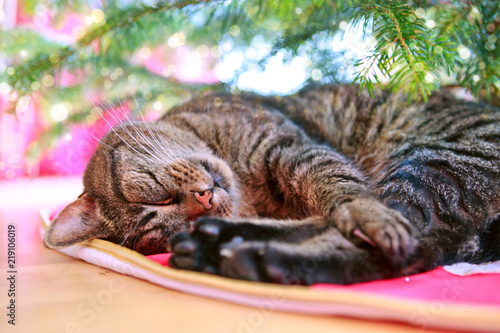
x=144, y=183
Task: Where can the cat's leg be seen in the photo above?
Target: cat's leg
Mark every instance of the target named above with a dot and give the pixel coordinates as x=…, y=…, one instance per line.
x=200, y=249
x=324, y=257
x=317, y=179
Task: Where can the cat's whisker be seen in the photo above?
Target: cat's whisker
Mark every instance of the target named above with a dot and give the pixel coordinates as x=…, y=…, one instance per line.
x=153, y=146
x=101, y=142
x=154, y=136
x=124, y=127
x=112, y=128
x=160, y=140
x=172, y=157
x=125, y=239
x=116, y=116
x=158, y=153
x=135, y=242
x=122, y=110
x=163, y=144
x=179, y=152
x=138, y=224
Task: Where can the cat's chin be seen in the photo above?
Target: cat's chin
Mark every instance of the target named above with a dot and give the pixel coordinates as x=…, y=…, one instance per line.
x=149, y=249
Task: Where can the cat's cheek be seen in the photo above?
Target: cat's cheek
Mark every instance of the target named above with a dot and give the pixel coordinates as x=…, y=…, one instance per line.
x=179, y=216
x=173, y=214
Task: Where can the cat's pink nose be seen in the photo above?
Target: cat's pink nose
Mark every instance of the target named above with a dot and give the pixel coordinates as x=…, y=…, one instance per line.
x=204, y=198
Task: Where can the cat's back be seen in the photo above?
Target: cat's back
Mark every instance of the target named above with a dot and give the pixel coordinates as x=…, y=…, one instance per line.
x=371, y=130
x=348, y=118
x=375, y=130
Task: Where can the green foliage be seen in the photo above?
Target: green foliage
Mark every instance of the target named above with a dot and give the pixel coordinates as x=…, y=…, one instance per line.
x=406, y=54
x=476, y=27
x=405, y=51
x=113, y=39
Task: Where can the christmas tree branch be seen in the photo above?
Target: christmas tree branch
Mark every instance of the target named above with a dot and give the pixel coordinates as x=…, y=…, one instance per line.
x=44, y=63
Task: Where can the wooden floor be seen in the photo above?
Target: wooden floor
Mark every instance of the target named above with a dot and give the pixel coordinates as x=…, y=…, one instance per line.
x=55, y=293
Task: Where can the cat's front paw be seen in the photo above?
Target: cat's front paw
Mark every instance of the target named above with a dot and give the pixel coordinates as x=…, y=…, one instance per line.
x=217, y=246
x=202, y=250
x=369, y=221
x=199, y=250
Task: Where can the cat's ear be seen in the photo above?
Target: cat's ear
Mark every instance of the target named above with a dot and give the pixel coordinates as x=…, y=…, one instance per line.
x=75, y=223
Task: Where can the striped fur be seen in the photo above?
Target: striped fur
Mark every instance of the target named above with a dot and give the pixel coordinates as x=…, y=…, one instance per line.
x=323, y=186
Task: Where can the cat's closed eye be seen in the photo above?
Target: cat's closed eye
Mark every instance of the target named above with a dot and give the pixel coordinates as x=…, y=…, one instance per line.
x=166, y=202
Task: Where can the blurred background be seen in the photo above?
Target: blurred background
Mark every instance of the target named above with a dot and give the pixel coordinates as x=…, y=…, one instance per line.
x=71, y=69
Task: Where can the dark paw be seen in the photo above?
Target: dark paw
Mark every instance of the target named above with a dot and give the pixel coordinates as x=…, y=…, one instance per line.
x=370, y=222
x=266, y=262
x=242, y=260
x=187, y=253
x=213, y=246
x=199, y=250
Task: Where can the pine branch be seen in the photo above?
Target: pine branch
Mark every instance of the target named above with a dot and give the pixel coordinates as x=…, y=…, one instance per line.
x=40, y=65
x=479, y=32
x=405, y=51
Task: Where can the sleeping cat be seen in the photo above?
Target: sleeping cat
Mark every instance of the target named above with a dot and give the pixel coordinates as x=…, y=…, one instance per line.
x=326, y=186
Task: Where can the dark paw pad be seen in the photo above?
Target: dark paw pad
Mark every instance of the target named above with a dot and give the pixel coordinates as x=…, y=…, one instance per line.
x=259, y=261
x=283, y=269
x=185, y=252
x=199, y=250
x=242, y=261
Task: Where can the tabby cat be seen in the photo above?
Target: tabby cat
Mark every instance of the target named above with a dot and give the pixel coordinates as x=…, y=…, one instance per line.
x=326, y=186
